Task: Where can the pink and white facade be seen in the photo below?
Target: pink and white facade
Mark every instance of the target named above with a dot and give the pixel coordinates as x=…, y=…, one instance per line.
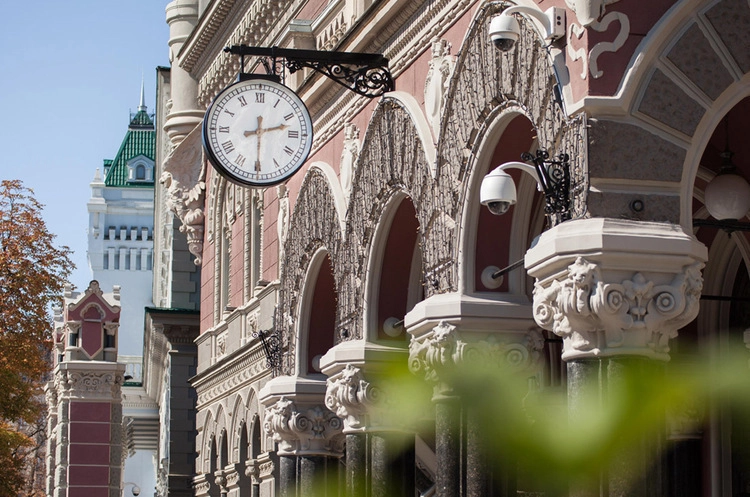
x=375, y=253
x=85, y=429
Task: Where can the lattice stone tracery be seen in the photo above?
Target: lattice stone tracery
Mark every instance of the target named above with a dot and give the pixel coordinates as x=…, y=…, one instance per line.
x=314, y=224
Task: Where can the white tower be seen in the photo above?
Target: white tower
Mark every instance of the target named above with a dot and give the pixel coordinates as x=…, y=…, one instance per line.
x=120, y=254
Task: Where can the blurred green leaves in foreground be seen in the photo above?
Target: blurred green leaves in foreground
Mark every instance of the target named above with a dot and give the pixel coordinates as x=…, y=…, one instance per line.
x=623, y=407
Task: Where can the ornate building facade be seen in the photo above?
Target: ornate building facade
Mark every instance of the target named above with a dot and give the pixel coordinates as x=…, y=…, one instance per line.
x=378, y=256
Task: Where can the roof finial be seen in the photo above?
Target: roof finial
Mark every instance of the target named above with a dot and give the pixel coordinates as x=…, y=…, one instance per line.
x=142, y=105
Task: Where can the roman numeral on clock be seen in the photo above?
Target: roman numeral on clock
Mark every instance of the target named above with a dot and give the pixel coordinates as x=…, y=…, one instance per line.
x=293, y=134
x=260, y=98
x=288, y=150
x=228, y=146
x=288, y=116
x=240, y=160
x=223, y=129
x=242, y=101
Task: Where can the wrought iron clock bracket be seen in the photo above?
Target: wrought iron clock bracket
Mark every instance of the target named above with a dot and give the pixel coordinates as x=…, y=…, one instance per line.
x=366, y=74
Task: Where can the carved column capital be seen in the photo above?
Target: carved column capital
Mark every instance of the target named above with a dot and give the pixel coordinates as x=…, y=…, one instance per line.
x=352, y=398
x=311, y=431
x=627, y=291
x=437, y=354
x=359, y=386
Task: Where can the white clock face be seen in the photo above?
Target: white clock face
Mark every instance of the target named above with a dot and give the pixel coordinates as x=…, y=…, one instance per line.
x=257, y=132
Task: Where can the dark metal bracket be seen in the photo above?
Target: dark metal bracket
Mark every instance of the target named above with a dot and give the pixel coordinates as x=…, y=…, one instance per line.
x=554, y=176
x=271, y=342
x=366, y=74
x=728, y=225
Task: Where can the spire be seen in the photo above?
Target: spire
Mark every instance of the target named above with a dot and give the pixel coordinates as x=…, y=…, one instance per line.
x=142, y=105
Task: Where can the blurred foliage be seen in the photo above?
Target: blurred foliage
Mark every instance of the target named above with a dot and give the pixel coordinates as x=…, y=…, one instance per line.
x=628, y=408
x=33, y=273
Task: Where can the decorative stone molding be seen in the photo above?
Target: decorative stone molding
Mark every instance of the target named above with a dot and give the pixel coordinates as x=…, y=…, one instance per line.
x=444, y=349
x=89, y=385
x=349, y=156
x=184, y=178
x=590, y=60
x=351, y=397
x=597, y=317
x=437, y=81
x=588, y=11
x=358, y=389
x=314, y=431
x=628, y=290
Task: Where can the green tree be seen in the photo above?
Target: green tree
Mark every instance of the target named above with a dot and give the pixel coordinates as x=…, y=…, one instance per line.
x=33, y=272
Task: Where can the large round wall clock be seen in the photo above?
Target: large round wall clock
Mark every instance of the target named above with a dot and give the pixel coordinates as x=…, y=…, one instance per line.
x=257, y=132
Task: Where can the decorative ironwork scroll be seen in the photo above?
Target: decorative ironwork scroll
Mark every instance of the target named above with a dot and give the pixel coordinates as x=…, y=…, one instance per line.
x=271, y=347
x=366, y=74
x=554, y=176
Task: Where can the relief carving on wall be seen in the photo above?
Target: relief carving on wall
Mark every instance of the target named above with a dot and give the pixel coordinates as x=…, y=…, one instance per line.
x=349, y=157
x=436, y=85
x=634, y=316
x=184, y=178
x=590, y=14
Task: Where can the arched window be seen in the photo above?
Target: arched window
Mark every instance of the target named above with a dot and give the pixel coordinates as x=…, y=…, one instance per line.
x=140, y=172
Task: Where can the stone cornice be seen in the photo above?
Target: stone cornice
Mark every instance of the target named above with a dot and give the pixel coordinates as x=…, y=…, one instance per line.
x=221, y=379
x=89, y=380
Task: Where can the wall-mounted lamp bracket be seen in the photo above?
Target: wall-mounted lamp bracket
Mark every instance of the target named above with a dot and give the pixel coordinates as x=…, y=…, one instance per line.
x=271, y=343
x=366, y=74
x=554, y=178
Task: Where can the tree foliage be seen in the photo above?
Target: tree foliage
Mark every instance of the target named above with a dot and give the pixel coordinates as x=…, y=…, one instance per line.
x=33, y=272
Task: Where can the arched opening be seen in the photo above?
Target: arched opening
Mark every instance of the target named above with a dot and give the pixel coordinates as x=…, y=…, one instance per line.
x=224, y=455
x=496, y=235
x=140, y=172
x=321, y=320
x=398, y=277
x=718, y=449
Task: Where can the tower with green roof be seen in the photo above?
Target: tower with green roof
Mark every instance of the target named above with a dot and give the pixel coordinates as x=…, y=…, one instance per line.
x=121, y=253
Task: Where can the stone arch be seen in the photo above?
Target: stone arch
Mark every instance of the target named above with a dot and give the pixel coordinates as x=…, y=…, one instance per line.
x=317, y=309
x=204, y=463
x=392, y=161
x=685, y=75
x=485, y=84
x=220, y=434
x=237, y=423
x=314, y=224
x=253, y=417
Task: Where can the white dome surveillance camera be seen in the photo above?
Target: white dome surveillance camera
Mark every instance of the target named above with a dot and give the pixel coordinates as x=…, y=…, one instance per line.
x=498, y=192
x=504, y=31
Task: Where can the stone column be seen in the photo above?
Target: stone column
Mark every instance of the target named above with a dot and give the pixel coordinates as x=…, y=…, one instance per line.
x=379, y=449
x=184, y=111
x=454, y=337
x=616, y=291
x=308, y=435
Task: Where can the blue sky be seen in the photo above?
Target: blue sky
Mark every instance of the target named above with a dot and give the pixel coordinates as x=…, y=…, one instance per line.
x=70, y=74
